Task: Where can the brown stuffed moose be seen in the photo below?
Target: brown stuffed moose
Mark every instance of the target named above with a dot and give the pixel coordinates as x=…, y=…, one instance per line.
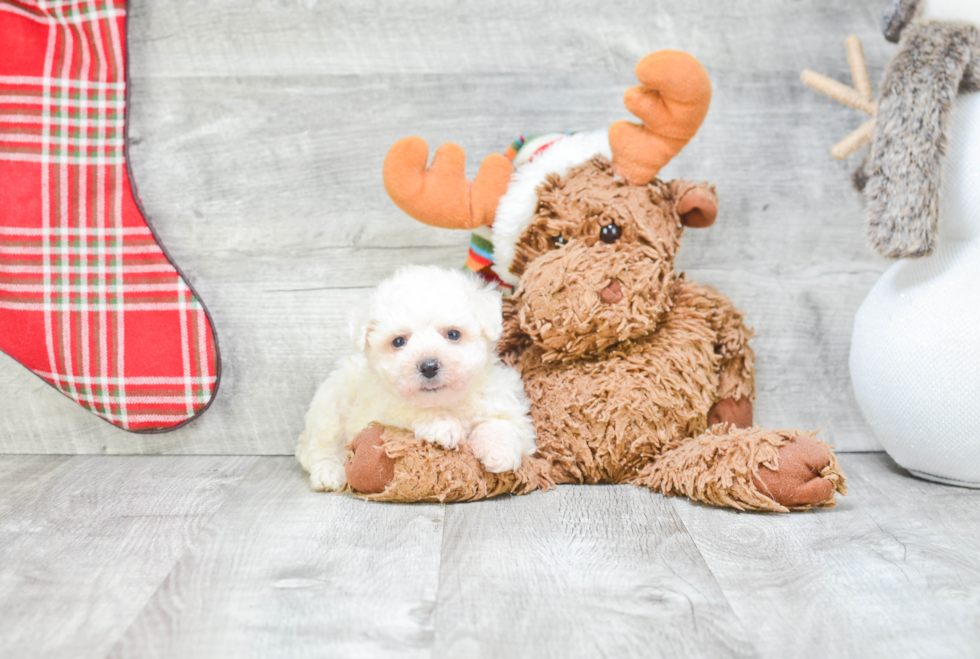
x=635, y=374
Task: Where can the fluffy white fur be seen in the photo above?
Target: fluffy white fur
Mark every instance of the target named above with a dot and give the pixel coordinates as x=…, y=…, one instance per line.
x=473, y=397
x=517, y=206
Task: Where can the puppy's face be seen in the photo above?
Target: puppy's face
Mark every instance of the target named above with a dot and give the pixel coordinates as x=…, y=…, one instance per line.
x=429, y=334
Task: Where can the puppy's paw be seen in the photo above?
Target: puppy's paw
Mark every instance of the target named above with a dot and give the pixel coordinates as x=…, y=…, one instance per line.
x=328, y=476
x=497, y=444
x=447, y=432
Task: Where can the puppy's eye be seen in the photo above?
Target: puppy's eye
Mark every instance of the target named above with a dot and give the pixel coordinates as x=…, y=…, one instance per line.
x=558, y=241
x=453, y=335
x=610, y=233
x=398, y=341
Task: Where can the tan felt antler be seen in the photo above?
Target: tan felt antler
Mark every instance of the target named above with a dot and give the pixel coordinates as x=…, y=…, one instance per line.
x=440, y=195
x=858, y=97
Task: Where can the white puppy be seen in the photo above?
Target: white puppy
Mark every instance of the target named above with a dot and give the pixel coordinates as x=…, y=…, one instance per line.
x=426, y=361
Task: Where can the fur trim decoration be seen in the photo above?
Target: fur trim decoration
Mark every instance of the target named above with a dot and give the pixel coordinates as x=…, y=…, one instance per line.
x=519, y=203
x=910, y=135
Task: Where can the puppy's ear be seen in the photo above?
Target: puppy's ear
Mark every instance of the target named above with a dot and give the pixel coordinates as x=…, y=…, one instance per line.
x=359, y=323
x=487, y=307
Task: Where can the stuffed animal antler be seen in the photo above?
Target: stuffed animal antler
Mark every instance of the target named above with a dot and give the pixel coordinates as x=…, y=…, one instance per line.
x=441, y=195
x=858, y=97
x=672, y=101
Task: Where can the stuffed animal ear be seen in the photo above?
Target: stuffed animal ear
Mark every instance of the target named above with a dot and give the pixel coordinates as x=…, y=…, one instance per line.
x=488, y=309
x=697, y=204
x=359, y=324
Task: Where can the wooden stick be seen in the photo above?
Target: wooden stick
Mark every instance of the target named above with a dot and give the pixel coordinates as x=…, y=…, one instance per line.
x=854, y=141
x=859, y=68
x=838, y=92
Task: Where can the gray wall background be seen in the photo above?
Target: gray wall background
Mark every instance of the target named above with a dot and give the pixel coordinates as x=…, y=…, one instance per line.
x=258, y=130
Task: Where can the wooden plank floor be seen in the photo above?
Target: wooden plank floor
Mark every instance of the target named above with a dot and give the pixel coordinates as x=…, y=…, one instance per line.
x=184, y=556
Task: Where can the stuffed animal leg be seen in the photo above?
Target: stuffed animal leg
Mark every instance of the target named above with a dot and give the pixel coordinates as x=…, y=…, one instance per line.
x=390, y=464
x=748, y=469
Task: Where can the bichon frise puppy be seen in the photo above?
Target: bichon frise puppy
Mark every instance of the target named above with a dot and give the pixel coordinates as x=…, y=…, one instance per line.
x=426, y=361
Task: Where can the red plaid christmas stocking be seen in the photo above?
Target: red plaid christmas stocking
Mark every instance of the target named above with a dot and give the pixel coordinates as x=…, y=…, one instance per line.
x=88, y=299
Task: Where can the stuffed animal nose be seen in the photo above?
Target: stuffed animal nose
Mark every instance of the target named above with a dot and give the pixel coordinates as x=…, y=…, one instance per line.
x=429, y=368
x=612, y=293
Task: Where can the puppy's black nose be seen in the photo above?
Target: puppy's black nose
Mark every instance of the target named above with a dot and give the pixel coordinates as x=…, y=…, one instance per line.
x=429, y=368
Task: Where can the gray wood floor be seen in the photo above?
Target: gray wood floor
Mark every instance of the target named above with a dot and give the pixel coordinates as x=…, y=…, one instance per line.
x=194, y=556
x=259, y=128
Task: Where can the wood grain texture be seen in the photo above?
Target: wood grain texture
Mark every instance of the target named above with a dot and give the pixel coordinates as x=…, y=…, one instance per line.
x=258, y=132
x=892, y=571
x=282, y=571
x=590, y=571
x=183, y=556
x=86, y=540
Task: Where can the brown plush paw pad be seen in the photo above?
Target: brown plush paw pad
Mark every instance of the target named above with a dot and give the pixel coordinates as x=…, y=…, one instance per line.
x=736, y=411
x=369, y=470
x=797, y=482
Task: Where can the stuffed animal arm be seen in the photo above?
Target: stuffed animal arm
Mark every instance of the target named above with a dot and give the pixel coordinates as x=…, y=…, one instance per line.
x=909, y=126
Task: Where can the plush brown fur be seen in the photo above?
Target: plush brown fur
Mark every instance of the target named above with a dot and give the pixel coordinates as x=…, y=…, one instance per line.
x=727, y=467
x=621, y=390
x=424, y=472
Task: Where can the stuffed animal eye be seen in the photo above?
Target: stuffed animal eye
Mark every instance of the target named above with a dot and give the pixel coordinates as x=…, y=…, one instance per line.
x=558, y=241
x=453, y=335
x=398, y=341
x=610, y=233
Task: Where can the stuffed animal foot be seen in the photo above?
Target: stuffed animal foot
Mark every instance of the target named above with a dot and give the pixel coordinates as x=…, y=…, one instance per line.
x=388, y=464
x=748, y=469
x=369, y=469
x=799, y=480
